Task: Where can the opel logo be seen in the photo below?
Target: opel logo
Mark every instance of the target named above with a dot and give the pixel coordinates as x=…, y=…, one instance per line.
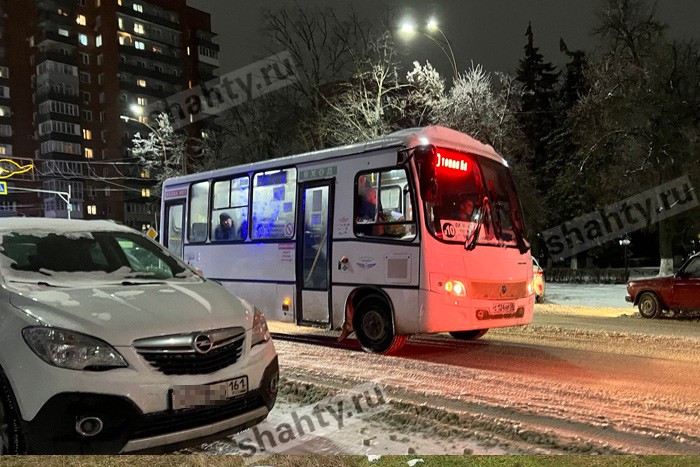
x=504, y=288
x=202, y=343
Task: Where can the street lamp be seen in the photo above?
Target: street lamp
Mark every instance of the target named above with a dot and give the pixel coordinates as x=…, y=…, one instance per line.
x=625, y=242
x=409, y=28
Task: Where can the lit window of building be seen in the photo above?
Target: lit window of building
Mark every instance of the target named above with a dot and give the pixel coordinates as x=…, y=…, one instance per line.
x=145, y=193
x=98, y=41
x=92, y=210
x=139, y=29
x=89, y=153
x=138, y=7
x=140, y=45
x=87, y=134
x=81, y=20
x=142, y=101
x=141, y=82
x=83, y=39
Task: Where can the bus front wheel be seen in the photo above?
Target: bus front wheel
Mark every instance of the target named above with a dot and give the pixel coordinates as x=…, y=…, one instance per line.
x=468, y=335
x=374, y=327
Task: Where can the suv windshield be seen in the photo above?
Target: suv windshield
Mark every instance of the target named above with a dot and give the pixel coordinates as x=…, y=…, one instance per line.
x=465, y=193
x=80, y=258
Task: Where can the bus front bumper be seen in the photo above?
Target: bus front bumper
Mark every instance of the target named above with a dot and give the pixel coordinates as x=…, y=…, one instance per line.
x=443, y=313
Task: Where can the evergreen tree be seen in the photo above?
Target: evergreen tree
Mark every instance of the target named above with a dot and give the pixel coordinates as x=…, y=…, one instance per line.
x=538, y=104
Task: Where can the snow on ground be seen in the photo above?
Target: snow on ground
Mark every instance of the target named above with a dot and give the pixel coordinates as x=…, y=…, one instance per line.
x=580, y=379
x=588, y=295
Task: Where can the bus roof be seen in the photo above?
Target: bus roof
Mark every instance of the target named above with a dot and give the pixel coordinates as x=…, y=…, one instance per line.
x=408, y=138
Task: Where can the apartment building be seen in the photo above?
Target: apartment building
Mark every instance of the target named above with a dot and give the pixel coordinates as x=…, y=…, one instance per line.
x=76, y=68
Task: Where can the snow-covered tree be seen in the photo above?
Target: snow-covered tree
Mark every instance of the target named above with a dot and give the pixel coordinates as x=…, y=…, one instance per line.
x=370, y=104
x=427, y=90
x=162, y=152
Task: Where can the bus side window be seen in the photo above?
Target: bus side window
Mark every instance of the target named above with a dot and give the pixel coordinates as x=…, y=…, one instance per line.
x=274, y=203
x=229, y=214
x=199, y=212
x=383, y=215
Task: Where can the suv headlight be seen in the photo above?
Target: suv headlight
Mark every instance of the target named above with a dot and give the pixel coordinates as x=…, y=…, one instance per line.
x=71, y=350
x=261, y=333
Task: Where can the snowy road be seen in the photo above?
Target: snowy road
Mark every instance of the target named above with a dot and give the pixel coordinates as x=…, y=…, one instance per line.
x=569, y=383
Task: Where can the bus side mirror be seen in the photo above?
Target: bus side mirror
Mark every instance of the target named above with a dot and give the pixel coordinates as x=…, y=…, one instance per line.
x=428, y=185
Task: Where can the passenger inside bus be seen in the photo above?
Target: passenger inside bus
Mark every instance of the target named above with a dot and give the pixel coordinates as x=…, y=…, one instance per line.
x=224, y=231
x=367, y=201
x=466, y=208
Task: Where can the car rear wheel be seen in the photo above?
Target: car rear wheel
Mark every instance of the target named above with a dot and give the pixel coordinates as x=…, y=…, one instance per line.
x=649, y=305
x=468, y=335
x=374, y=327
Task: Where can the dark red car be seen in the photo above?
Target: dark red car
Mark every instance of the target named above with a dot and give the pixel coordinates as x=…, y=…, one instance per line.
x=680, y=292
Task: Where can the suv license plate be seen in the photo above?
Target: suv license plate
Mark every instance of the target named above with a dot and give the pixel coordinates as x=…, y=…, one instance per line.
x=504, y=309
x=186, y=397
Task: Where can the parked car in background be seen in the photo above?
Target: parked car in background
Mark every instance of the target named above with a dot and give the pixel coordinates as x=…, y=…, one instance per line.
x=538, y=281
x=112, y=345
x=680, y=292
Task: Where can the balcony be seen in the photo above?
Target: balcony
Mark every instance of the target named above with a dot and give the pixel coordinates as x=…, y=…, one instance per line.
x=149, y=55
x=51, y=17
x=58, y=117
x=56, y=56
x=56, y=37
x=208, y=44
x=128, y=10
x=66, y=138
x=50, y=94
x=148, y=91
x=146, y=73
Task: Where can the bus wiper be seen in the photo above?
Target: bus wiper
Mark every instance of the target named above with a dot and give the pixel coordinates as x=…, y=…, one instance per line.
x=470, y=242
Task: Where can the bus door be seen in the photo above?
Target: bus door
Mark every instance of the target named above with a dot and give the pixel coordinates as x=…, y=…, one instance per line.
x=313, y=250
x=174, y=227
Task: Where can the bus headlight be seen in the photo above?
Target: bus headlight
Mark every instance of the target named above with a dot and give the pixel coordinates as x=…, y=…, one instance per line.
x=531, y=287
x=455, y=288
x=261, y=333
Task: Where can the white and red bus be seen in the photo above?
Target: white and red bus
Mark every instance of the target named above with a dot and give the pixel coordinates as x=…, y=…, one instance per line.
x=370, y=238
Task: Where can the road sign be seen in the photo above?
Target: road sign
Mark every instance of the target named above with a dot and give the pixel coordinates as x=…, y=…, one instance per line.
x=152, y=233
x=3, y=188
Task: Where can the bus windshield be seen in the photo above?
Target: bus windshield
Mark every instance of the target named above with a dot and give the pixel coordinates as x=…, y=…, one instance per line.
x=466, y=195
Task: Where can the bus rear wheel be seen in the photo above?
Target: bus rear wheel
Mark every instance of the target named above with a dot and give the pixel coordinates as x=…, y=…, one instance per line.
x=374, y=327
x=468, y=335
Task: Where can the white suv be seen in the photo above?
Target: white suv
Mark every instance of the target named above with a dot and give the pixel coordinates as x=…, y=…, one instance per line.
x=110, y=344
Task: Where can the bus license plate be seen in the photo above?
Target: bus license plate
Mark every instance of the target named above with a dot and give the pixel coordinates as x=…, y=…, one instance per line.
x=503, y=309
x=186, y=397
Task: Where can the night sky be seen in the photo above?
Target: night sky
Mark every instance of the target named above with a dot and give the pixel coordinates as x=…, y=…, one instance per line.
x=491, y=33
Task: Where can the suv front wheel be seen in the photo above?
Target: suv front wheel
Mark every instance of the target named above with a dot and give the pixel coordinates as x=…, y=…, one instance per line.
x=11, y=438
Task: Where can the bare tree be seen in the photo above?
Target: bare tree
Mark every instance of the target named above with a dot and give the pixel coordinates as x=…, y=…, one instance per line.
x=370, y=104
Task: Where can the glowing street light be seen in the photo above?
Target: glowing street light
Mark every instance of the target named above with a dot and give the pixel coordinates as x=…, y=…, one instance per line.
x=408, y=27
x=433, y=24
